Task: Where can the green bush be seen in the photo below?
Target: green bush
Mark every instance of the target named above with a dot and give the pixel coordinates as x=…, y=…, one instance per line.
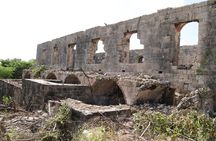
x=7, y=100
x=13, y=68
x=192, y=125
x=6, y=72
x=37, y=71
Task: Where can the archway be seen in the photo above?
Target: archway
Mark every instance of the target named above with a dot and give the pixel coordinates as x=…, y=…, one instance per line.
x=107, y=92
x=187, y=36
x=51, y=76
x=72, y=79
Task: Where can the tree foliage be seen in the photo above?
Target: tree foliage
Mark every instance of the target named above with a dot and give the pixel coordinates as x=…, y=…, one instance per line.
x=13, y=68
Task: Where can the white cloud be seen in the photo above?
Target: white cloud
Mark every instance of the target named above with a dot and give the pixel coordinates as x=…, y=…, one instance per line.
x=26, y=23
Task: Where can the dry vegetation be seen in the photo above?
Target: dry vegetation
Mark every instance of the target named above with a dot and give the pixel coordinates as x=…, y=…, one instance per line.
x=147, y=123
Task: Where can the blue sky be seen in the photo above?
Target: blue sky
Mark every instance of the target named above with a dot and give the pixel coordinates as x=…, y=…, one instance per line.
x=26, y=23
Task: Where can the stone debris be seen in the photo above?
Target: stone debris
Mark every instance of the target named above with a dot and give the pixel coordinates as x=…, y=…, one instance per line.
x=87, y=110
x=200, y=99
x=93, y=84
x=23, y=124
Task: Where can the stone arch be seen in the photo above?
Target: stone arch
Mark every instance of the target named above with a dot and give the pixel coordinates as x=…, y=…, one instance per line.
x=107, y=92
x=187, y=31
x=72, y=79
x=51, y=76
x=27, y=75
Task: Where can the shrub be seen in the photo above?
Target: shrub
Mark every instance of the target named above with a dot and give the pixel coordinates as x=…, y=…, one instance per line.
x=6, y=72
x=13, y=68
x=38, y=70
x=192, y=125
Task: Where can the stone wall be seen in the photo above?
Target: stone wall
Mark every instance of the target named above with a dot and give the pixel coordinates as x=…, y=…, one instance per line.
x=135, y=56
x=188, y=56
x=12, y=88
x=36, y=93
x=119, y=88
x=162, y=55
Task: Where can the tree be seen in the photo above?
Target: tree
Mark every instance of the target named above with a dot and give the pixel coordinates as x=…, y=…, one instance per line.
x=13, y=68
x=6, y=72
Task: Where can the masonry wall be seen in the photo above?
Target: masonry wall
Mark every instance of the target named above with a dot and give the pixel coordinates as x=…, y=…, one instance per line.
x=208, y=62
x=36, y=93
x=12, y=88
x=158, y=32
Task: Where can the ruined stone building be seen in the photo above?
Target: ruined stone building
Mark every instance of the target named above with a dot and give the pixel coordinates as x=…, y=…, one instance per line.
x=124, y=75
x=185, y=66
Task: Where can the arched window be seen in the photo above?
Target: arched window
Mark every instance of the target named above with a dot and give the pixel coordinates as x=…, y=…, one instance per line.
x=189, y=34
x=187, y=37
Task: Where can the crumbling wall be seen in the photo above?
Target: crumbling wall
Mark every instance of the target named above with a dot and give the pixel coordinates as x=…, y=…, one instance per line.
x=36, y=93
x=208, y=62
x=98, y=58
x=105, y=91
x=159, y=33
x=12, y=88
x=187, y=56
x=121, y=88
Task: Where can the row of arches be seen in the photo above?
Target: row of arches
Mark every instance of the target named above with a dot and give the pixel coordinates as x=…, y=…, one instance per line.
x=70, y=79
x=104, y=91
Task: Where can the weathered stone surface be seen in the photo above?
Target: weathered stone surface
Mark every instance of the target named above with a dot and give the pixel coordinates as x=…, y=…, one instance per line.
x=36, y=93
x=162, y=55
x=200, y=99
x=12, y=88
x=140, y=90
x=86, y=111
